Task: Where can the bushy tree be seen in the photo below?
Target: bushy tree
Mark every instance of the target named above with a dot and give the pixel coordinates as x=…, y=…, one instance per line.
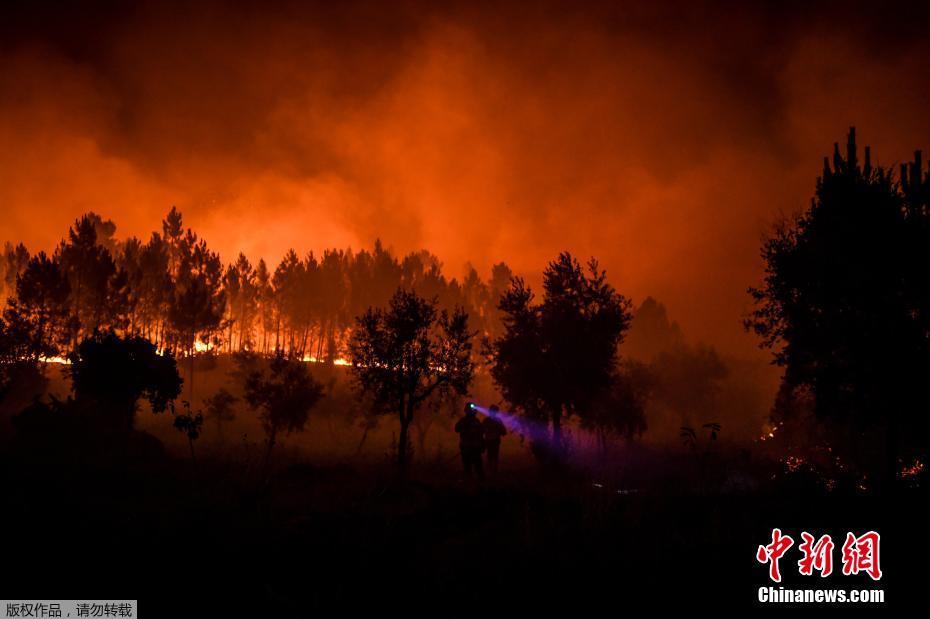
x=284, y=396
x=190, y=424
x=845, y=304
x=264, y=299
x=406, y=353
x=652, y=332
x=97, y=295
x=219, y=408
x=176, y=292
x=40, y=310
x=21, y=373
x=196, y=309
x=110, y=374
x=242, y=302
x=619, y=411
x=555, y=358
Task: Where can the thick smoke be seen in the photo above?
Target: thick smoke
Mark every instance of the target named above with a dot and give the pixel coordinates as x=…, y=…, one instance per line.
x=662, y=140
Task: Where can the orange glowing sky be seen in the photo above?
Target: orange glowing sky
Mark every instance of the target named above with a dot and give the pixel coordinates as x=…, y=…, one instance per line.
x=664, y=142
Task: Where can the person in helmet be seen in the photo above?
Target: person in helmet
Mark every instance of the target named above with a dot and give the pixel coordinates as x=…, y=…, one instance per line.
x=471, y=441
x=493, y=431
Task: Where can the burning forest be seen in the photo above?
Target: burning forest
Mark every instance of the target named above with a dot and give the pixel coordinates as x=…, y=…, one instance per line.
x=420, y=309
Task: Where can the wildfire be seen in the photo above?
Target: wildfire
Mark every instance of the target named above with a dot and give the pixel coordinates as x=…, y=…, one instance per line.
x=312, y=359
x=58, y=360
x=202, y=347
x=771, y=433
x=793, y=463
x=912, y=471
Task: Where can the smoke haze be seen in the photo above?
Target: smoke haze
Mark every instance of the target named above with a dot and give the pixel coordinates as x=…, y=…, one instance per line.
x=663, y=141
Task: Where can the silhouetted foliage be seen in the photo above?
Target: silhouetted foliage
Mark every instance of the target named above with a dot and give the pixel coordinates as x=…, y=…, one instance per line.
x=14, y=261
x=687, y=381
x=284, y=396
x=620, y=410
x=219, y=408
x=21, y=374
x=110, y=374
x=190, y=424
x=39, y=313
x=174, y=291
x=96, y=289
x=557, y=357
x=409, y=352
x=239, y=284
x=196, y=308
x=652, y=332
x=845, y=304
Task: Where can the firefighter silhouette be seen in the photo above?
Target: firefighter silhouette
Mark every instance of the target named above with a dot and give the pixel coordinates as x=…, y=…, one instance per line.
x=471, y=442
x=493, y=431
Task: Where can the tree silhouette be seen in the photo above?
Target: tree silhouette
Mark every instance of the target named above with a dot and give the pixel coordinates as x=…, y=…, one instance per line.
x=176, y=244
x=408, y=352
x=333, y=284
x=282, y=280
x=651, y=332
x=196, y=310
x=190, y=424
x=104, y=229
x=687, y=380
x=175, y=291
x=497, y=287
x=110, y=374
x=557, y=357
x=21, y=373
x=285, y=396
x=149, y=286
x=518, y=369
x=620, y=410
x=13, y=348
x=129, y=261
x=40, y=308
x=219, y=408
x=264, y=299
x=373, y=278
x=844, y=304
x=12, y=265
x=95, y=284
x=241, y=299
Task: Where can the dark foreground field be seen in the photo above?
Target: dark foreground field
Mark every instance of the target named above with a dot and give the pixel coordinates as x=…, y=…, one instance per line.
x=211, y=540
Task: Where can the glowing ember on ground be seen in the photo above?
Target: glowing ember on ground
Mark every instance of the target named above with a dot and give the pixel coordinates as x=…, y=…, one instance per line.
x=912, y=471
x=766, y=435
x=793, y=463
x=312, y=359
x=59, y=360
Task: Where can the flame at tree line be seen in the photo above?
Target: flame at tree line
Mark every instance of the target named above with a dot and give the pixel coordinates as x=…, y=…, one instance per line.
x=175, y=291
x=746, y=349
